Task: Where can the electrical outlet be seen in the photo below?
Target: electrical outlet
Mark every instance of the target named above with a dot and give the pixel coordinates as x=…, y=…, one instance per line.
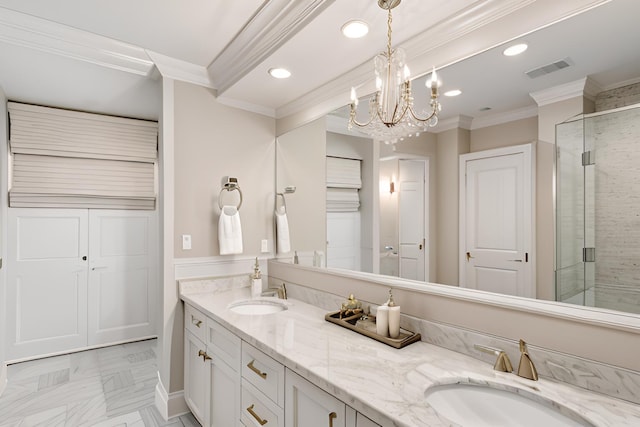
x=265, y=246
x=186, y=242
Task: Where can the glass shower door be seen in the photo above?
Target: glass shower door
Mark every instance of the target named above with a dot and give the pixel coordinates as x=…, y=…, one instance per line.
x=598, y=210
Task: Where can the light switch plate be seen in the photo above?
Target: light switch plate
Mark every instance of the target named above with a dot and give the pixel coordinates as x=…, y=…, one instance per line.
x=186, y=242
x=265, y=246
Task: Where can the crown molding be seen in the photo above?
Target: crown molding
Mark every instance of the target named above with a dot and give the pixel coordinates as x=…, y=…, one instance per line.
x=268, y=29
x=458, y=122
x=180, y=70
x=583, y=87
x=35, y=33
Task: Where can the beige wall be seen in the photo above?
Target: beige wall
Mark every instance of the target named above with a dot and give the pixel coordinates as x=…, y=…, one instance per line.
x=504, y=135
x=301, y=162
x=201, y=141
x=213, y=141
x=451, y=144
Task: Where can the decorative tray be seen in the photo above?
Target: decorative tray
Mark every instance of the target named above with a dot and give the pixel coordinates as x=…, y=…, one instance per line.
x=366, y=325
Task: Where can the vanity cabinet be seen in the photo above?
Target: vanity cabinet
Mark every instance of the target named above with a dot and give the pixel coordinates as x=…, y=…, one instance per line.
x=306, y=405
x=263, y=391
x=230, y=383
x=309, y=406
x=211, y=371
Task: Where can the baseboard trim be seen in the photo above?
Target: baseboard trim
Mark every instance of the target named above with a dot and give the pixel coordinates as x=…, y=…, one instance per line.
x=170, y=405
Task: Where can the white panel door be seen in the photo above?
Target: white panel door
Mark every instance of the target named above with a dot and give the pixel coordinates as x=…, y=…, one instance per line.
x=122, y=275
x=412, y=220
x=46, y=281
x=497, y=229
x=343, y=240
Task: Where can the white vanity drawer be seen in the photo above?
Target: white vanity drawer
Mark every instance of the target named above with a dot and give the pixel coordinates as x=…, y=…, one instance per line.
x=263, y=372
x=195, y=322
x=224, y=344
x=258, y=410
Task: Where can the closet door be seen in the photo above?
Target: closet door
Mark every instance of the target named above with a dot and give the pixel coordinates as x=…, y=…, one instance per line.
x=122, y=275
x=46, y=281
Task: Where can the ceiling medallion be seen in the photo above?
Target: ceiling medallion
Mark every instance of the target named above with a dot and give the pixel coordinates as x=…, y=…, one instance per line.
x=391, y=114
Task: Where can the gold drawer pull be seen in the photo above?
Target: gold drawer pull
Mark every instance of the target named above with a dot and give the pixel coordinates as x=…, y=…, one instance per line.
x=263, y=375
x=256, y=416
x=195, y=321
x=332, y=416
x=204, y=355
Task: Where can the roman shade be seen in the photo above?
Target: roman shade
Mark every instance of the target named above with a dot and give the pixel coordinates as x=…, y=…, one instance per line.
x=72, y=159
x=343, y=182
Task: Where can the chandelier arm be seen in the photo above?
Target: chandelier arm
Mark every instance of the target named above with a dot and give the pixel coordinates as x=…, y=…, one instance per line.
x=434, y=111
x=352, y=119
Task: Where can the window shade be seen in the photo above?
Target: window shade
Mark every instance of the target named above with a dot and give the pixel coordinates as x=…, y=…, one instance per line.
x=343, y=173
x=342, y=200
x=343, y=182
x=73, y=159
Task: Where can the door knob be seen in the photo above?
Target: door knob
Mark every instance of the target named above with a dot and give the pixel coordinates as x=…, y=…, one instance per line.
x=469, y=256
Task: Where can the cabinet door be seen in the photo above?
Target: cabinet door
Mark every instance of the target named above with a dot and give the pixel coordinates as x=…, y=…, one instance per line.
x=362, y=421
x=224, y=396
x=122, y=275
x=309, y=406
x=196, y=377
x=46, y=300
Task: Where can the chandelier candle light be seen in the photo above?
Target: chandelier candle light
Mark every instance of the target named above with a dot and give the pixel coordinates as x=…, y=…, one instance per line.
x=391, y=114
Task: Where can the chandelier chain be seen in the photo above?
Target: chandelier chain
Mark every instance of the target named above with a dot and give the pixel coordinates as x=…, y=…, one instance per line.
x=389, y=34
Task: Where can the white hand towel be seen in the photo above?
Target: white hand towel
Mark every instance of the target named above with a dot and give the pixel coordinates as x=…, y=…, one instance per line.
x=283, y=244
x=230, y=231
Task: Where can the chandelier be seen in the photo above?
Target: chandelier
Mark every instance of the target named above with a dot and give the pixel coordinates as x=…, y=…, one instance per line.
x=391, y=113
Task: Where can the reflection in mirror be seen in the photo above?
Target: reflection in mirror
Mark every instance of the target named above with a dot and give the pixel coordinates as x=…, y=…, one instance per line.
x=518, y=102
x=598, y=225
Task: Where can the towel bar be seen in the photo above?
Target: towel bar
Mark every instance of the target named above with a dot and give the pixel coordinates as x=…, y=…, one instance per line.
x=230, y=187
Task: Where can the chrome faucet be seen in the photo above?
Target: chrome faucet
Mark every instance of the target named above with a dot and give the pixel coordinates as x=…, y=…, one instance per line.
x=526, y=368
x=503, y=364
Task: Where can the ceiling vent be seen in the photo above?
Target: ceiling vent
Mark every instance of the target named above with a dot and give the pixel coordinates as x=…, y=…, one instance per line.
x=549, y=68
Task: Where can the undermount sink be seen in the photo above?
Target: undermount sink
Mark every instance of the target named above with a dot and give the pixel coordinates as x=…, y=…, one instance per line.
x=481, y=405
x=257, y=306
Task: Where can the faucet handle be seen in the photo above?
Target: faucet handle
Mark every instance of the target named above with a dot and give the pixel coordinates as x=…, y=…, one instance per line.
x=503, y=364
x=526, y=368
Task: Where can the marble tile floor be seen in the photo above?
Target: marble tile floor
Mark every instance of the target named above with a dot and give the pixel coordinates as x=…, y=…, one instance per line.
x=107, y=387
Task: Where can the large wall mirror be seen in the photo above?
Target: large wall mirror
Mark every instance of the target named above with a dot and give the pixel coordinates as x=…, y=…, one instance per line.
x=358, y=203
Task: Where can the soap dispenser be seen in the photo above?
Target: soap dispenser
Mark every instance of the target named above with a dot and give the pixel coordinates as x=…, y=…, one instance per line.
x=394, y=317
x=256, y=281
x=382, y=318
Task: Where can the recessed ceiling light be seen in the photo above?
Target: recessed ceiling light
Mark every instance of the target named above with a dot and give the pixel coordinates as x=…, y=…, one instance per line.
x=355, y=29
x=279, y=73
x=454, y=92
x=516, y=49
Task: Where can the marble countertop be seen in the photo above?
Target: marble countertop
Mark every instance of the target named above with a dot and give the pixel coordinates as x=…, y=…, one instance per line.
x=386, y=384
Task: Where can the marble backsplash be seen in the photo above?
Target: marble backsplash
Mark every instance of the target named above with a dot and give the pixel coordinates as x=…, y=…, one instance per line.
x=591, y=375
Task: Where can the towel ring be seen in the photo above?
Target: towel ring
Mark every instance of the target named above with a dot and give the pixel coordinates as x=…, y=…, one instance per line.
x=284, y=202
x=230, y=188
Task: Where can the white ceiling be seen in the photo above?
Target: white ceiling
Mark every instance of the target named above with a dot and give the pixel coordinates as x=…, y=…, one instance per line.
x=104, y=55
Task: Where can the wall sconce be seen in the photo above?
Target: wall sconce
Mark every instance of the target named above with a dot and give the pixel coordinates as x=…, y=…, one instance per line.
x=392, y=187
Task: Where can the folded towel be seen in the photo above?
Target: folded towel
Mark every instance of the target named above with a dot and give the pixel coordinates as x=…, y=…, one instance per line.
x=230, y=231
x=283, y=245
